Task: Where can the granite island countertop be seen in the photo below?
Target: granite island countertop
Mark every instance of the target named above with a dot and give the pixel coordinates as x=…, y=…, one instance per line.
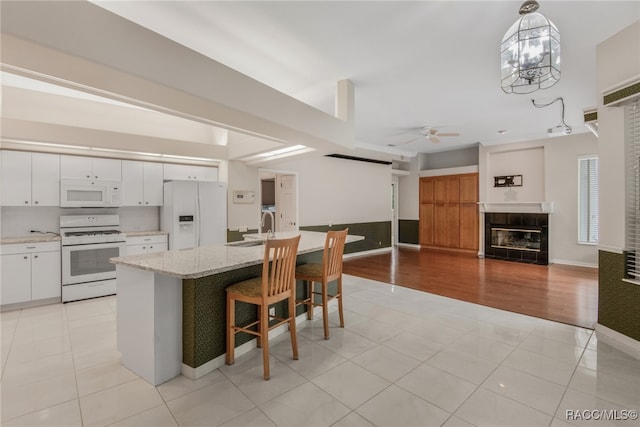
x=208, y=260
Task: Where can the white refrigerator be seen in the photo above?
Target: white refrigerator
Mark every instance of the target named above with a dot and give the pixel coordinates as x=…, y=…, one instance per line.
x=194, y=213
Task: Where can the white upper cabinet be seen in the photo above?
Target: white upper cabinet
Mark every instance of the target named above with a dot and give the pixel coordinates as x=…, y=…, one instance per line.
x=141, y=183
x=78, y=167
x=45, y=179
x=189, y=172
x=30, y=179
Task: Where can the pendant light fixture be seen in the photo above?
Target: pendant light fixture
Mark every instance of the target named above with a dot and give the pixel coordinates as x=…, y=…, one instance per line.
x=530, y=52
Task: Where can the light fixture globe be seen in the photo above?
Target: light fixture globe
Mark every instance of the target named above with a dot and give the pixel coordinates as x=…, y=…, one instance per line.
x=530, y=52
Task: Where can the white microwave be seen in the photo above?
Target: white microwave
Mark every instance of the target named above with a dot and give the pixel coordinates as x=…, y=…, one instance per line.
x=75, y=193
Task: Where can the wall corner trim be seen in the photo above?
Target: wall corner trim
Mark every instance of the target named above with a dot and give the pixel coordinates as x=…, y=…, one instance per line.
x=619, y=341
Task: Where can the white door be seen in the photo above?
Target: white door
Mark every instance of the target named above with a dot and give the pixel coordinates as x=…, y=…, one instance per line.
x=132, y=183
x=286, y=203
x=16, y=278
x=107, y=169
x=45, y=179
x=213, y=213
x=16, y=178
x=153, y=184
x=45, y=275
x=184, y=198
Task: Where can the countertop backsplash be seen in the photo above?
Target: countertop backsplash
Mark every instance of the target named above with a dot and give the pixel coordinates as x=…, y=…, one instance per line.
x=19, y=221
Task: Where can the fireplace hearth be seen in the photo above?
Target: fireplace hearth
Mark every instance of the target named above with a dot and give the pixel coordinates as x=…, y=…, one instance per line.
x=521, y=237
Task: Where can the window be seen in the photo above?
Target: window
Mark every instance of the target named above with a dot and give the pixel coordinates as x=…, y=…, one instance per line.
x=632, y=154
x=588, y=200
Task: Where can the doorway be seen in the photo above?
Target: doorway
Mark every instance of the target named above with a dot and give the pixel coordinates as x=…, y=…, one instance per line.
x=278, y=200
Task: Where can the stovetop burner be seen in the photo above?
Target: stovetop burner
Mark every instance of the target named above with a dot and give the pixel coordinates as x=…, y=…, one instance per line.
x=90, y=229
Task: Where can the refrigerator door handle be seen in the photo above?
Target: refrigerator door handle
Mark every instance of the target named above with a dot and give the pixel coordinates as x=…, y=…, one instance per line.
x=197, y=222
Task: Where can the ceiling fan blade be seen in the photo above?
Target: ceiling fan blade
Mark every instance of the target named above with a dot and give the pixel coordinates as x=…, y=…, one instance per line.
x=447, y=134
x=406, y=142
x=434, y=139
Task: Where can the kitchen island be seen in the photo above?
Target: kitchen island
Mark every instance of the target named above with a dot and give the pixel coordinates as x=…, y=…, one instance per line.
x=171, y=305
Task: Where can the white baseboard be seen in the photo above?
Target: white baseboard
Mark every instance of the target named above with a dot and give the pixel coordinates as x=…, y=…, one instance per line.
x=573, y=263
x=619, y=341
x=409, y=245
x=370, y=252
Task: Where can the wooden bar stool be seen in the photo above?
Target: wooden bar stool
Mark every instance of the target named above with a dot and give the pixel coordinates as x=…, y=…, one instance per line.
x=276, y=284
x=325, y=273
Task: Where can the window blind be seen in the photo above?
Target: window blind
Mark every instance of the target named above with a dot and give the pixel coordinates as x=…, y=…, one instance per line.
x=588, y=216
x=632, y=187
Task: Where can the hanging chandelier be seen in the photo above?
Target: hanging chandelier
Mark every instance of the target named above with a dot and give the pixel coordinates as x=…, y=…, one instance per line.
x=530, y=52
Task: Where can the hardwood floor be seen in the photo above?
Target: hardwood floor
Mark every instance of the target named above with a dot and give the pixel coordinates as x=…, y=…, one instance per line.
x=556, y=292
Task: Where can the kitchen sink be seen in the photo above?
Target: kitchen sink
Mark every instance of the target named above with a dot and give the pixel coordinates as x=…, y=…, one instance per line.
x=247, y=243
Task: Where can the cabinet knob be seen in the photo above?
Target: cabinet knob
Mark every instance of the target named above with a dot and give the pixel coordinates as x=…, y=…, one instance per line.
x=25, y=257
x=35, y=256
x=139, y=203
x=146, y=203
x=150, y=247
x=96, y=176
x=26, y=202
x=144, y=247
x=36, y=202
x=88, y=176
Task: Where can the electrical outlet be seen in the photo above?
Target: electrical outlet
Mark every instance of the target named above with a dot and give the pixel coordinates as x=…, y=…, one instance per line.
x=272, y=311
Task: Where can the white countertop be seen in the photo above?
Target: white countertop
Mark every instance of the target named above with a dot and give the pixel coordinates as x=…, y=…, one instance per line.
x=145, y=233
x=207, y=260
x=35, y=238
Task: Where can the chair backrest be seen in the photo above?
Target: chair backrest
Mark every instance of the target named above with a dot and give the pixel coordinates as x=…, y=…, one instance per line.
x=279, y=266
x=332, y=255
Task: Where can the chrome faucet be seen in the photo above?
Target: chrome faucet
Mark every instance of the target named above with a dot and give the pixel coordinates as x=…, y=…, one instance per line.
x=270, y=234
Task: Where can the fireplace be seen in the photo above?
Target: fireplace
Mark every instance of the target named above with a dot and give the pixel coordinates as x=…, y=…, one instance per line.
x=522, y=237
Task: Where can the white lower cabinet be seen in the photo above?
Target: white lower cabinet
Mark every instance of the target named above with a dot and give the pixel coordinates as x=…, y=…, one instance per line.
x=30, y=272
x=147, y=244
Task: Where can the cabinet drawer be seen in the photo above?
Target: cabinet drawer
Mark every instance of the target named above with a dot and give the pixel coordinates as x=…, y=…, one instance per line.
x=141, y=240
x=27, y=248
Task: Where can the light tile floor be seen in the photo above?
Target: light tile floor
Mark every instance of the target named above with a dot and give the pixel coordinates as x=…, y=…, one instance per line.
x=405, y=358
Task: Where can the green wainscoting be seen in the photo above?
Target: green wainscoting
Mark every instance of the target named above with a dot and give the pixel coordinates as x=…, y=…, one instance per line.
x=409, y=231
x=376, y=234
x=618, y=301
x=204, y=311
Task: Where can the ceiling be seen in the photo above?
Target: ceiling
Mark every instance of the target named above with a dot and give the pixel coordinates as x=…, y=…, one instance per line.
x=413, y=64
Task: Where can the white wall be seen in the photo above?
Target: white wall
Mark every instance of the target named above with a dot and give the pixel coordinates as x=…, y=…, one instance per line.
x=528, y=162
x=561, y=165
x=409, y=193
x=331, y=191
x=550, y=173
x=18, y=221
x=242, y=178
x=618, y=61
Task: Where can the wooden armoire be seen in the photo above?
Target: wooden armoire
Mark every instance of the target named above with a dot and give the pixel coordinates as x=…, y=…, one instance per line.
x=449, y=212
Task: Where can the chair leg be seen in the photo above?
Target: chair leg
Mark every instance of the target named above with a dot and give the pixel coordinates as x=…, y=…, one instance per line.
x=325, y=310
x=259, y=339
x=231, y=333
x=310, y=296
x=339, y=296
x=264, y=335
x=292, y=327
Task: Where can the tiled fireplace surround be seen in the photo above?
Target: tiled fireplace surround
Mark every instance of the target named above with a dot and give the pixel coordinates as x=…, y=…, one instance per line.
x=517, y=236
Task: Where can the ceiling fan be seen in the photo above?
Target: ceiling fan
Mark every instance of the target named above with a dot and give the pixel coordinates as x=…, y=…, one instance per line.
x=430, y=134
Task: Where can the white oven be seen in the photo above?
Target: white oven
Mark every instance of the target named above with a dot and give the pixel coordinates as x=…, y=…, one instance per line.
x=88, y=243
x=75, y=193
x=89, y=262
